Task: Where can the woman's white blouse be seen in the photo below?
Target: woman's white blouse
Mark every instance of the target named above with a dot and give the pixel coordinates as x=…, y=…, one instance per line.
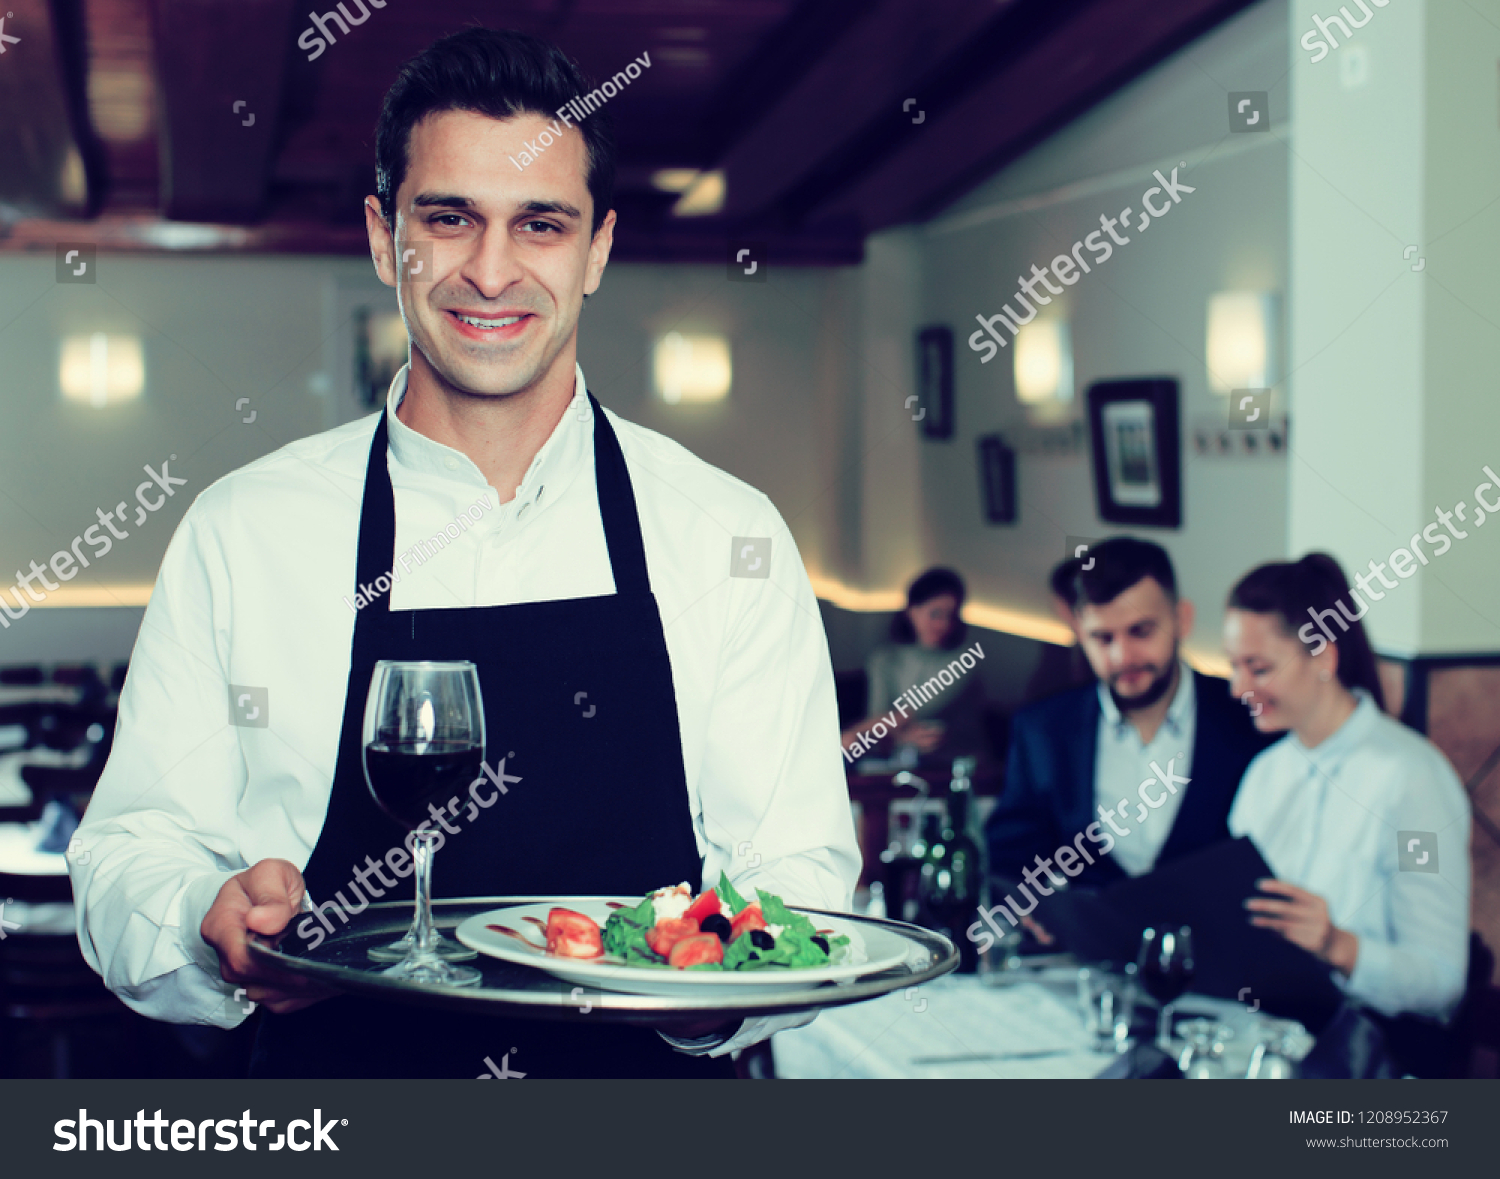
x=1374, y=821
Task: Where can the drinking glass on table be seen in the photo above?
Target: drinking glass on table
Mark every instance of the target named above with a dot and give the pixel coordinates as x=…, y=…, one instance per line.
x=423, y=743
x=1203, y=1058
x=1106, y=1003
x=1273, y=1058
x=1165, y=967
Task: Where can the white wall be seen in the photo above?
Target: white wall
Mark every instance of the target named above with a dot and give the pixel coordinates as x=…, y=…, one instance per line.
x=823, y=361
x=278, y=331
x=1141, y=312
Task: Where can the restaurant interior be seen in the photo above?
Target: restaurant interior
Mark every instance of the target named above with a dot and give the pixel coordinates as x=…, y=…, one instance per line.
x=822, y=207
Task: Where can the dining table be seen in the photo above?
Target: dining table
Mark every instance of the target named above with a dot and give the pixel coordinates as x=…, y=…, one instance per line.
x=966, y=1027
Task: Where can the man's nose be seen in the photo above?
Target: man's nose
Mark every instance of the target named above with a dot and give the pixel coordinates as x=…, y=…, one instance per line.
x=493, y=264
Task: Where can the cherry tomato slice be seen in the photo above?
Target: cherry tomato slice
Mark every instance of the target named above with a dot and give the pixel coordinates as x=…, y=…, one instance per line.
x=573, y=935
x=666, y=934
x=696, y=950
x=747, y=919
x=705, y=906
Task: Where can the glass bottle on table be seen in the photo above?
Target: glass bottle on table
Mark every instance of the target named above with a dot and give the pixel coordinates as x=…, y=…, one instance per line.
x=948, y=890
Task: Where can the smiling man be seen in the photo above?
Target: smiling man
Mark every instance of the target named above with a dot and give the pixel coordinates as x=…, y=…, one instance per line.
x=1136, y=769
x=655, y=718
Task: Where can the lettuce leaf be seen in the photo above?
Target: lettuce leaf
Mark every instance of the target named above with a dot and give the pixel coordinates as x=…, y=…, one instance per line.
x=727, y=894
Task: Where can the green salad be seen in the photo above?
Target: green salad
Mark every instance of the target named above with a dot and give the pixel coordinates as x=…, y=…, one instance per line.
x=717, y=930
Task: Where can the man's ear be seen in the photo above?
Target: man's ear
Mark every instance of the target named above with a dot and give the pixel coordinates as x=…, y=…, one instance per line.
x=1185, y=616
x=382, y=243
x=599, y=248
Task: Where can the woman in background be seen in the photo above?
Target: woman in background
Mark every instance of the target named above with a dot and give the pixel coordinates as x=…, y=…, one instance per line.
x=1362, y=820
x=925, y=638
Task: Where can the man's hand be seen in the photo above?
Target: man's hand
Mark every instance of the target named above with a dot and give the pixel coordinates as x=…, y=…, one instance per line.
x=696, y=1029
x=1302, y=918
x=262, y=900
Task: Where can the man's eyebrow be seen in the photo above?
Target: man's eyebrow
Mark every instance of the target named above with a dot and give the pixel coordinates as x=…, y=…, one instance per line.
x=450, y=200
x=561, y=208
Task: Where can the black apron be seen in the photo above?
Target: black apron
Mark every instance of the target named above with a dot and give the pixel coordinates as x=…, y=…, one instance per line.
x=602, y=806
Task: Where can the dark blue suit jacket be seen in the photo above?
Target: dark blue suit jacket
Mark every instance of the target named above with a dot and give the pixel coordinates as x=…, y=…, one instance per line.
x=1048, y=796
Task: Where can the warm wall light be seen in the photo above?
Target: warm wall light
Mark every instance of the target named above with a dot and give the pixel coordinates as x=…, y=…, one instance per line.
x=691, y=368
x=704, y=197
x=101, y=370
x=1241, y=341
x=674, y=179
x=1044, y=362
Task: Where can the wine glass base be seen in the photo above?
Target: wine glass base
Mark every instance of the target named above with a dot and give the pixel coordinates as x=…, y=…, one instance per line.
x=446, y=948
x=433, y=972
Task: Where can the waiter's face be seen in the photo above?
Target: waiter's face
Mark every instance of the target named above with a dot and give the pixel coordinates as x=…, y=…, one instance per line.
x=510, y=248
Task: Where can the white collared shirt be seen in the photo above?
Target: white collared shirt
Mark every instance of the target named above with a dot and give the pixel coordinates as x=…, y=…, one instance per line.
x=256, y=590
x=1122, y=764
x=1340, y=819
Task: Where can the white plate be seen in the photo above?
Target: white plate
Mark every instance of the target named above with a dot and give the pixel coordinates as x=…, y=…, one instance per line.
x=870, y=949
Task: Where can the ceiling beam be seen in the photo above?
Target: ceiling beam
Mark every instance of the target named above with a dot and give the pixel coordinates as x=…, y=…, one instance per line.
x=41, y=140
x=1064, y=67
x=220, y=69
x=824, y=121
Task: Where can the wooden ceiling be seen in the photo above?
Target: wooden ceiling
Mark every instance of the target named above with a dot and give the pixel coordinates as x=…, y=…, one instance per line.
x=201, y=125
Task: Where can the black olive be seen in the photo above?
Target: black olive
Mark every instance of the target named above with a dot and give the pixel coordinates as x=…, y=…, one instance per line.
x=717, y=923
x=761, y=940
x=820, y=942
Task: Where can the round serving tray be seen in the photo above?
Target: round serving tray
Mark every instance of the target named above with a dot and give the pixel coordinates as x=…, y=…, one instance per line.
x=511, y=989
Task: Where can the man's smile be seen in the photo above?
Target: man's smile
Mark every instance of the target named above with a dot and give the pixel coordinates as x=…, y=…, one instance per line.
x=506, y=325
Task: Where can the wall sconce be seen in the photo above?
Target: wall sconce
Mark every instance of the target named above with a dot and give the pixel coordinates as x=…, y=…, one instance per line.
x=100, y=369
x=691, y=368
x=703, y=197
x=1044, y=363
x=1241, y=341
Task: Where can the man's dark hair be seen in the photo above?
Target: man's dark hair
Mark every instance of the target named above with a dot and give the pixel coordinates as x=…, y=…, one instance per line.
x=496, y=72
x=1119, y=563
x=1063, y=580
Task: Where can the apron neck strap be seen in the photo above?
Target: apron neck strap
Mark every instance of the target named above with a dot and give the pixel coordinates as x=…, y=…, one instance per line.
x=622, y=525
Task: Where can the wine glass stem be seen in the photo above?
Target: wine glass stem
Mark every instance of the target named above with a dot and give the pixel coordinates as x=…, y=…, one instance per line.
x=424, y=934
x=1164, y=1028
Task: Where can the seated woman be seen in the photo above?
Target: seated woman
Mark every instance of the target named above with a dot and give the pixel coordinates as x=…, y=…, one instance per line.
x=940, y=714
x=1362, y=820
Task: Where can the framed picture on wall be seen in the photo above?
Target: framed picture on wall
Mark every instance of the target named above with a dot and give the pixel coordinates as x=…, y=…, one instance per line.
x=935, y=382
x=1137, y=451
x=997, y=479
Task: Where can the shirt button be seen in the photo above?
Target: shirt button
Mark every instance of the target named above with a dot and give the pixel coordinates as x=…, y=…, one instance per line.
x=451, y=463
x=522, y=512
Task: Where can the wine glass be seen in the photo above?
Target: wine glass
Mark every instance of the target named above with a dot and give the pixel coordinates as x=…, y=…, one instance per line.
x=1165, y=967
x=423, y=743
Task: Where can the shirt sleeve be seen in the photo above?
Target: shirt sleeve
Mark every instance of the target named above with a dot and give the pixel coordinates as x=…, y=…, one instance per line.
x=775, y=803
x=159, y=838
x=1420, y=964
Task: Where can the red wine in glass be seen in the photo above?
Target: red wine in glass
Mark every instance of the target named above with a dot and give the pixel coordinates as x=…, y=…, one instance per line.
x=1165, y=968
x=423, y=746
x=406, y=776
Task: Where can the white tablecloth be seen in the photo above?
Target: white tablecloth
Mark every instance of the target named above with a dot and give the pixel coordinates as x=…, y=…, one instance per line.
x=18, y=854
x=1031, y=1029
x=911, y=1033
